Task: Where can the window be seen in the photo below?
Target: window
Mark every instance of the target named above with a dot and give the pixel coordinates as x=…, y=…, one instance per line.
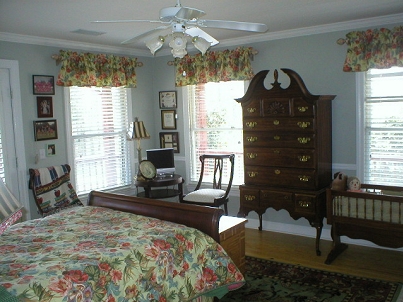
x=98, y=120
x=215, y=124
x=383, y=127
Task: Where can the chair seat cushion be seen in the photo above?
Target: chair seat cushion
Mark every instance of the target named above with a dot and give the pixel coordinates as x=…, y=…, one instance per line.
x=204, y=195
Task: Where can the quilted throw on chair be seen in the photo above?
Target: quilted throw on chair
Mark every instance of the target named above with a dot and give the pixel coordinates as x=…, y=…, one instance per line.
x=53, y=189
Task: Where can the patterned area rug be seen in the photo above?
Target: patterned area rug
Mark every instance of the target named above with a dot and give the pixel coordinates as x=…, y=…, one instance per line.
x=273, y=281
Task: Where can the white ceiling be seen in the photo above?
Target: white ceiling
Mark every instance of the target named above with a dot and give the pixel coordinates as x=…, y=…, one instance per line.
x=51, y=22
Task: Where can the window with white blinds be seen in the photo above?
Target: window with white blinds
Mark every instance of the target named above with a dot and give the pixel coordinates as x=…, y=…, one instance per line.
x=99, y=120
x=383, y=123
x=215, y=123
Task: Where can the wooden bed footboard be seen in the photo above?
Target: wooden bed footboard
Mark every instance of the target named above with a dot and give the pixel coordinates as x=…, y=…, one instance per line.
x=205, y=219
x=376, y=215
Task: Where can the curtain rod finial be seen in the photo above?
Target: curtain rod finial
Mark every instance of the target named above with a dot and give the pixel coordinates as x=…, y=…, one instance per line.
x=341, y=41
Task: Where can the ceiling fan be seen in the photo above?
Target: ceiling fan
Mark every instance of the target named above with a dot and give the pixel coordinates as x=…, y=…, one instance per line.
x=185, y=23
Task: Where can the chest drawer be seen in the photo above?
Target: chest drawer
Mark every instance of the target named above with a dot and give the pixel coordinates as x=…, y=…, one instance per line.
x=279, y=124
x=283, y=177
x=284, y=157
x=289, y=107
x=278, y=139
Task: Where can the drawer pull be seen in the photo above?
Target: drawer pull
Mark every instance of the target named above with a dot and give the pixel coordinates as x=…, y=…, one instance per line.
x=251, y=124
x=303, y=178
x=251, y=155
x=304, y=158
x=276, y=137
x=303, y=109
x=304, y=204
x=276, y=122
x=276, y=151
x=303, y=124
x=249, y=197
x=304, y=140
x=251, y=110
x=251, y=139
x=277, y=172
x=252, y=174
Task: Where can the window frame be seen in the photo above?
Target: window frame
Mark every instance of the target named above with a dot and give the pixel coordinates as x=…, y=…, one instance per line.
x=190, y=159
x=69, y=138
x=360, y=78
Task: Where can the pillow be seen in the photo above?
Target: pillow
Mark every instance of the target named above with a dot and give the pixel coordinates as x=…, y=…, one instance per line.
x=53, y=190
x=10, y=208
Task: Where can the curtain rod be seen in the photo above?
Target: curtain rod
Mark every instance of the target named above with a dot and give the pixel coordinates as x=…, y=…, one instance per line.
x=58, y=60
x=172, y=63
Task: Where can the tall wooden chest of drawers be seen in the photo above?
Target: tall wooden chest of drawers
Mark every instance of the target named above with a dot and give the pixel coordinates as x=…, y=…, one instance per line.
x=287, y=137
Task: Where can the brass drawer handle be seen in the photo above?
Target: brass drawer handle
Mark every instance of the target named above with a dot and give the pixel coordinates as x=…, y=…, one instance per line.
x=251, y=139
x=277, y=172
x=276, y=137
x=304, y=204
x=303, y=124
x=304, y=158
x=252, y=174
x=303, y=178
x=276, y=122
x=249, y=197
x=251, y=124
x=251, y=110
x=251, y=155
x=276, y=151
x=303, y=109
x=304, y=140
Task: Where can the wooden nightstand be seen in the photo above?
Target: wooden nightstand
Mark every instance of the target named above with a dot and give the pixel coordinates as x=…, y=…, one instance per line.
x=232, y=239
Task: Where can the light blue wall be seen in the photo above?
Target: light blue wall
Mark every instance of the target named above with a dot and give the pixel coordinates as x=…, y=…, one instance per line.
x=317, y=59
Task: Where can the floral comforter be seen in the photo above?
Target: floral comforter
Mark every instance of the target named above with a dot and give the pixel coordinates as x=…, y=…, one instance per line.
x=97, y=254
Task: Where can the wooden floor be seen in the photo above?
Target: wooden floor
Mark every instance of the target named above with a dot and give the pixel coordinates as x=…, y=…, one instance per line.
x=356, y=260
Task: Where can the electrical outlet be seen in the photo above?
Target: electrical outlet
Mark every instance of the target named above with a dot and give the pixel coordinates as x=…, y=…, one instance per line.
x=42, y=154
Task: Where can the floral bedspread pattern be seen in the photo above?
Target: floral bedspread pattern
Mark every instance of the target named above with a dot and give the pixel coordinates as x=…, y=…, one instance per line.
x=98, y=254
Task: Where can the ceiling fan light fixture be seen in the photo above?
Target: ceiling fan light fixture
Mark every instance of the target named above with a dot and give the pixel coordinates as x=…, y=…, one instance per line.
x=178, y=45
x=155, y=44
x=201, y=44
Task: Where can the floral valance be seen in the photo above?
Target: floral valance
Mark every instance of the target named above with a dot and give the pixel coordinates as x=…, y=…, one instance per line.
x=374, y=48
x=101, y=70
x=214, y=66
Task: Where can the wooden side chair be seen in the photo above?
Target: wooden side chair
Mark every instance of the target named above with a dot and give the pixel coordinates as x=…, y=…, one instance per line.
x=52, y=189
x=217, y=195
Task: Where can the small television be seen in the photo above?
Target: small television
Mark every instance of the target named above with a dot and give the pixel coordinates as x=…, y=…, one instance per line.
x=163, y=159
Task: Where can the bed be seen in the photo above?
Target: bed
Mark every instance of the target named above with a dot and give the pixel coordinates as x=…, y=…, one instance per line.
x=374, y=214
x=118, y=248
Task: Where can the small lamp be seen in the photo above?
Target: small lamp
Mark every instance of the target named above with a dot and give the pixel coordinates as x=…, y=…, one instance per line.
x=139, y=133
x=10, y=208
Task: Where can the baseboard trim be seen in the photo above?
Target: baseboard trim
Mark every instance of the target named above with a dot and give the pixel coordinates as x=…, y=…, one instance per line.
x=308, y=231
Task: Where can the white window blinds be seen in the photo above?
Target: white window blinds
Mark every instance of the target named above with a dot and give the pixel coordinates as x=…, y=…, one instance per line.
x=383, y=112
x=216, y=124
x=99, y=122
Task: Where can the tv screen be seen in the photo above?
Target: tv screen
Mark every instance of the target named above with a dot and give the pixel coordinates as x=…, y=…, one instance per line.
x=163, y=160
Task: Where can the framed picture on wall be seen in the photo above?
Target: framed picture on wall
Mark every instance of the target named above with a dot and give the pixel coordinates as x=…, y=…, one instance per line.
x=43, y=84
x=168, y=119
x=168, y=99
x=44, y=130
x=44, y=105
x=169, y=140
x=50, y=150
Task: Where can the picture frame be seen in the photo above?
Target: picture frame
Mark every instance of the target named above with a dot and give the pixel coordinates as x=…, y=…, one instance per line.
x=45, y=130
x=43, y=84
x=50, y=150
x=170, y=140
x=168, y=119
x=44, y=105
x=168, y=99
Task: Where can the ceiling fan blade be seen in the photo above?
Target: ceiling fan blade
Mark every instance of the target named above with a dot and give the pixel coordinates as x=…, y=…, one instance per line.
x=126, y=21
x=197, y=32
x=235, y=25
x=150, y=32
x=188, y=13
